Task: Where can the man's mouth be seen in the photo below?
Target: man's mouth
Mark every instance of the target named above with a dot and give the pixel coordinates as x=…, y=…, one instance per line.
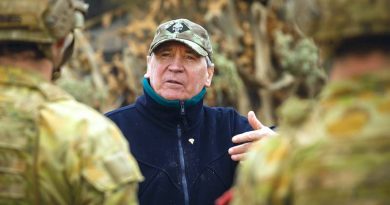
x=174, y=82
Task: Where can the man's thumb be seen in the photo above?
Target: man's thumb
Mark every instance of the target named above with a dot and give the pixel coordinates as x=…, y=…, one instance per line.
x=253, y=121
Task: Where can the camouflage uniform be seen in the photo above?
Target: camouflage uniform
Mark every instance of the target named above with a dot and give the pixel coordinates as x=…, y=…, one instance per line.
x=335, y=151
x=54, y=150
x=307, y=165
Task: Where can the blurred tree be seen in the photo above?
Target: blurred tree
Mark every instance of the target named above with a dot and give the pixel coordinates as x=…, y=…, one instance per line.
x=260, y=61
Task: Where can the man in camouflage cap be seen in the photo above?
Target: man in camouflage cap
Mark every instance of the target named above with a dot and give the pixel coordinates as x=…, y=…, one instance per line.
x=53, y=150
x=180, y=143
x=336, y=151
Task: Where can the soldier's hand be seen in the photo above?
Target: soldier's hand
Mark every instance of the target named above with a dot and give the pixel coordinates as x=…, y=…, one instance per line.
x=245, y=139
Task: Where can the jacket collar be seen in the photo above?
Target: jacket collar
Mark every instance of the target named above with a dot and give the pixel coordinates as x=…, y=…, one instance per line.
x=171, y=103
x=169, y=112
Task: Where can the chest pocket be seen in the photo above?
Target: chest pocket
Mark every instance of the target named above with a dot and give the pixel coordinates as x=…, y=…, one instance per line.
x=18, y=145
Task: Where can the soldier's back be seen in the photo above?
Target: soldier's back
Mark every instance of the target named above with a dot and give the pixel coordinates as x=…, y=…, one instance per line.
x=340, y=154
x=348, y=160
x=54, y=150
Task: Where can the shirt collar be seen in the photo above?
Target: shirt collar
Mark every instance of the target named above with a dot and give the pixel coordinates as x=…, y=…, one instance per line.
x=171, y=103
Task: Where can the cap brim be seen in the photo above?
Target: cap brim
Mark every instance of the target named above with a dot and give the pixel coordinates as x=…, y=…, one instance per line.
x=198, y=49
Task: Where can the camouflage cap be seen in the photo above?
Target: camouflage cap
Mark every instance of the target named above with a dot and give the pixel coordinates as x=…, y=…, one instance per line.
x=184, y=31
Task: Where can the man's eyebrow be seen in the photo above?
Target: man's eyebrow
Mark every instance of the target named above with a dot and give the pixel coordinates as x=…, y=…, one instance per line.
x=190, y=51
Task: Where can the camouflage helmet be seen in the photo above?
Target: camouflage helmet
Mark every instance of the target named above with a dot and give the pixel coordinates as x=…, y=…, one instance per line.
x=331, y=21
x=39, y=21
x=43, y=22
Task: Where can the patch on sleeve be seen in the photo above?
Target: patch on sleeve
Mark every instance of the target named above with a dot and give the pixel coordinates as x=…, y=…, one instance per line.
x=115, y=170
x=120, y=167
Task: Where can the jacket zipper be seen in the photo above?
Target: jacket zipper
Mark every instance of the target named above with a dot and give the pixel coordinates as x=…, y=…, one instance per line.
x=181, y=155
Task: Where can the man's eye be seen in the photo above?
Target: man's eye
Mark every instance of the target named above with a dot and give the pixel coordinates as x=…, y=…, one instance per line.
x=190, y=57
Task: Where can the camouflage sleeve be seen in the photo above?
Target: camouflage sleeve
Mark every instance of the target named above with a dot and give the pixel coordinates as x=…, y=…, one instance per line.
x=111, y=172
x=263, y=178
x=92, y=155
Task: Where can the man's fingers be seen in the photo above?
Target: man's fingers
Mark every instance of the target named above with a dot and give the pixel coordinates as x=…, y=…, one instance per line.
x=238, y=157
x=239, y=149
x=249, y=136
x=253, y=121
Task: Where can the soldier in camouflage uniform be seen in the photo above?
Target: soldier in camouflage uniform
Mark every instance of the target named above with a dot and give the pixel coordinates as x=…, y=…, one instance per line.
x=53, y=150
x=337, y=150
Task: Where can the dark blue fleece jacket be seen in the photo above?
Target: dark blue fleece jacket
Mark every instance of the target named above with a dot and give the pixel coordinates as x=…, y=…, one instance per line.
x=181, y=148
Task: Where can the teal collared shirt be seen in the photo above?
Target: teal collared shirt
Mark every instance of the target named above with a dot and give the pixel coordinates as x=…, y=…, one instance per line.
x=171, y=103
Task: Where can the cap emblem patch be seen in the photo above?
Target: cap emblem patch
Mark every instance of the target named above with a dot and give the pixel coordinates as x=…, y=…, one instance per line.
x=177, y=28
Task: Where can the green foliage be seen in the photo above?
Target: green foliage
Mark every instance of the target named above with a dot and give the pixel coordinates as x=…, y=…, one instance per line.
x=83, y=90
x=226, y=78
x=299, y=57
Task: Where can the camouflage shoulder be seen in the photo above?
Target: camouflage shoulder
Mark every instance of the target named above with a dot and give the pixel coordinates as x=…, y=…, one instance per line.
x=107, y=161
x=69, y=117
x=112, y=172
x=295, y=111
x=53, y=92
x=264, y=174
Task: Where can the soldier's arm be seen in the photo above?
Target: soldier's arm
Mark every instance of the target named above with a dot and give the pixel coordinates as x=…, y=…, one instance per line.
x=263, y=177
x=111, y=174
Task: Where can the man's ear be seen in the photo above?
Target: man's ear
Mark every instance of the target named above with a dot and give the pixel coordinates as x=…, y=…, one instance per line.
x=148, y=68
x=210, y=73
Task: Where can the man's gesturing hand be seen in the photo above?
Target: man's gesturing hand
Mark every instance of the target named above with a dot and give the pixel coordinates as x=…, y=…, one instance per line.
x=247, y=138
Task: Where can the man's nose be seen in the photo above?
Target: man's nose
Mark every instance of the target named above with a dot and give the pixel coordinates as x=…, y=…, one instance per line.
x=176, y=64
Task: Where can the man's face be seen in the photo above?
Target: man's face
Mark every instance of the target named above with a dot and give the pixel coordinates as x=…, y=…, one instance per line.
x=177, y=72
